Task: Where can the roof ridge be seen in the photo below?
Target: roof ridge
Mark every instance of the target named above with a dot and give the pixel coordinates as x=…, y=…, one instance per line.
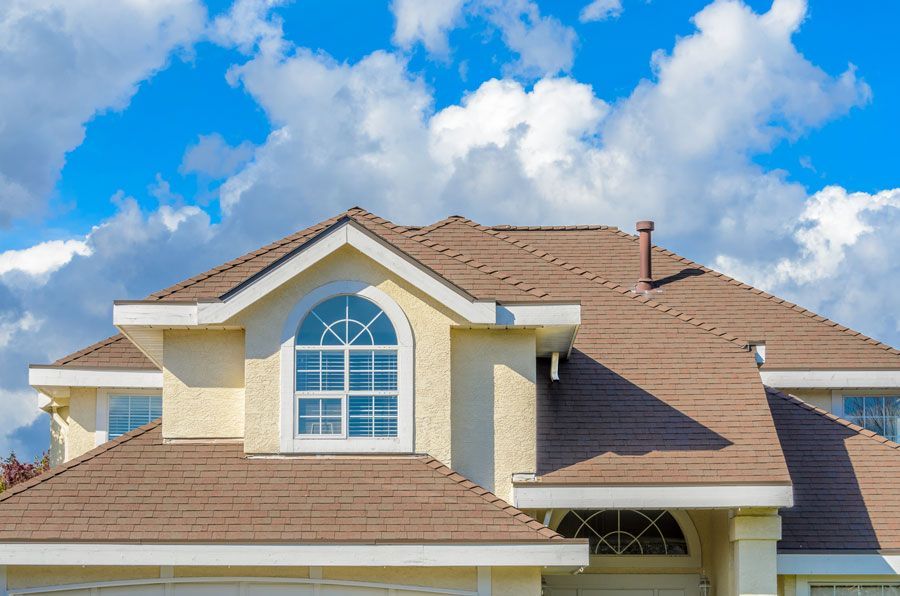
x=491, y=498
x=85, y=457
x=432, y=227
x=622, y=290
x=521, y=285
x=764, y=294
x=800, y=403
x=565, y=228
x=239, y=260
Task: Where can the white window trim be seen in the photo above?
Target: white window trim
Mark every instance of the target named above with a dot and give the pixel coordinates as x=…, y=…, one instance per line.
x=101, y=428
x=404, y=441
x=804, y=584
x=691, y=560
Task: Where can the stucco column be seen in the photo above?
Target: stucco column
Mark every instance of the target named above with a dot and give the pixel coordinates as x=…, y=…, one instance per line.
x=754, y=535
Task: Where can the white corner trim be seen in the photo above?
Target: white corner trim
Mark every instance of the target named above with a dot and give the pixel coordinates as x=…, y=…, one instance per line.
x=831, y=379
x=348, y=233
x=838, y=564
x=652, y=497
x=484, y=581
x=63, y=376
x=3, y=583
x=552, y=553
x=539, y=315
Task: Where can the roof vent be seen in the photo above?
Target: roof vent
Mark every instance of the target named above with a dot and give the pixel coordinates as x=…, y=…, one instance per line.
x=645, y=281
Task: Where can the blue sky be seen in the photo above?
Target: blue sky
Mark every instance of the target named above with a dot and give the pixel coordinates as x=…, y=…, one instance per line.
x=143, y=143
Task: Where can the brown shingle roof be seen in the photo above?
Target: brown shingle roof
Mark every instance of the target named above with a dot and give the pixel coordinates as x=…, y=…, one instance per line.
x=648, y=395
x=796, y=338
x=845, y=481
x=137, y=488
x=116, y=351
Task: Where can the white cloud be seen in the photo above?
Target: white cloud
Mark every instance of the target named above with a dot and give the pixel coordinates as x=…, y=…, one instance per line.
x=249, y=24
x=62, y=62
x=544, y=46
x=600, y=10
x=9, y=328
x=40, y=260
x=425, y=21
x=17, y=409
x=215, y=158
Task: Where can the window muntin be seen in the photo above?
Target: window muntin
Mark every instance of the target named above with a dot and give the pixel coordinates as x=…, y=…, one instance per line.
x=880, y=414
x=127, y=412
x=625, y=531
x=346, y=371
x=854, y=589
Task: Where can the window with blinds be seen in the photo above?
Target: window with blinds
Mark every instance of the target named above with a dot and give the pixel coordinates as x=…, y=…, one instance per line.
x=127, y=412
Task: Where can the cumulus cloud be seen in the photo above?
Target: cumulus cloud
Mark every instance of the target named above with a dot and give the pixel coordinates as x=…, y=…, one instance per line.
x=600, y=10
x=425, y=21
x=40, y=260
x=544, y=46
x=215, y=158
x=62, y=62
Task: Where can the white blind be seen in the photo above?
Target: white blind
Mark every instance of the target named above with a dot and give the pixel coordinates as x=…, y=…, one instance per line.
x=127, y=412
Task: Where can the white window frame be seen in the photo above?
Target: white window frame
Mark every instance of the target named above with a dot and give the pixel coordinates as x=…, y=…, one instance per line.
x=290, y=441
x=838, y=395
x=805, y=584
x=101, y=428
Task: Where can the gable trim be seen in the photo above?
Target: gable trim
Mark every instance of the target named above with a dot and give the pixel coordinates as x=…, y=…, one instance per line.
x=831, y=379
x=67, y=376
x=549, y=553
x=344, y=233
x=526, y=496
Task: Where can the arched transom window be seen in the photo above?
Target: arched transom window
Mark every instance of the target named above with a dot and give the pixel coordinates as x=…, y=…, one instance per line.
x=625, y=531
x=347, y=371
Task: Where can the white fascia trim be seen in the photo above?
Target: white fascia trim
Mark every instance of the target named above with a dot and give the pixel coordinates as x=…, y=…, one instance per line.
x=93, y=377
x=556, y=553
x=215, y=313
x=838, y=564
x=652, y=497
x=537, y=315
x=831, y=379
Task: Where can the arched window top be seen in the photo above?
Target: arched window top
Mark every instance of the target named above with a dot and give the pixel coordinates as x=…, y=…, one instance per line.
x=346, y=320
x=626, y=531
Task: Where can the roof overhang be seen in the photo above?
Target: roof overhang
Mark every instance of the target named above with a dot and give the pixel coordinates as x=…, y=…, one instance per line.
x=535, y=495
x=53, y=382
x=142, y=321
x=838, y=564
x=830, y=379
x=552, y=553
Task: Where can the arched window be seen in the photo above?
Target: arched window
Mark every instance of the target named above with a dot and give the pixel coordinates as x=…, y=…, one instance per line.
x=347, y=371
x=626, y=531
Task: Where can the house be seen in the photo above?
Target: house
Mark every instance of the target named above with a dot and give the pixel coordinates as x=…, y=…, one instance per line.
x=369, y=408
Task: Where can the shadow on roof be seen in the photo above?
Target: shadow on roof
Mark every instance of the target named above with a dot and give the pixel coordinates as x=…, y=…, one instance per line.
x=594, y=411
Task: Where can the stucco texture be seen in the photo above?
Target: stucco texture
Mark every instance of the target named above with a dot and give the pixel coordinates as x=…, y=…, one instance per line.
x=493, y=406
x=203, y=384
x=18, y=577
x=264, y=322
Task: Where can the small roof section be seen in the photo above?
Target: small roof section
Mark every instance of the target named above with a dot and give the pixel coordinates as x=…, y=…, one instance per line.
x=845, y=481
x=138, y=489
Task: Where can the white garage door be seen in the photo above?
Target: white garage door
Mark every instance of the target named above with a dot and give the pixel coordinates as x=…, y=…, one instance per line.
x=239, y=587
x=623, y=585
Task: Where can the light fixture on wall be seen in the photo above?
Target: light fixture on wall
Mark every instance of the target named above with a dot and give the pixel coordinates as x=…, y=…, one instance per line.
x=705, y=586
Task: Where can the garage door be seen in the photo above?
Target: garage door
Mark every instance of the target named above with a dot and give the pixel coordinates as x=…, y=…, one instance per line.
x=588, y=584
x=239, y=587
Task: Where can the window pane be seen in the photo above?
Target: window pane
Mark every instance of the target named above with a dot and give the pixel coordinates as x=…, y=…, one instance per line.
x=874, y=407
x=373, y=370
x=372, y=416
x=127, y=412
x=320, y=370
x=853, y=406
x=319, y=416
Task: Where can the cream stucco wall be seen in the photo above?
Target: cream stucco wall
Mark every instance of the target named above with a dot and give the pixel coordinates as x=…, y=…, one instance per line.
x=203, y=384
x=82, y=421
x=516, y=581
x=265, y=320
x=494, y=407
x=58, y=429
